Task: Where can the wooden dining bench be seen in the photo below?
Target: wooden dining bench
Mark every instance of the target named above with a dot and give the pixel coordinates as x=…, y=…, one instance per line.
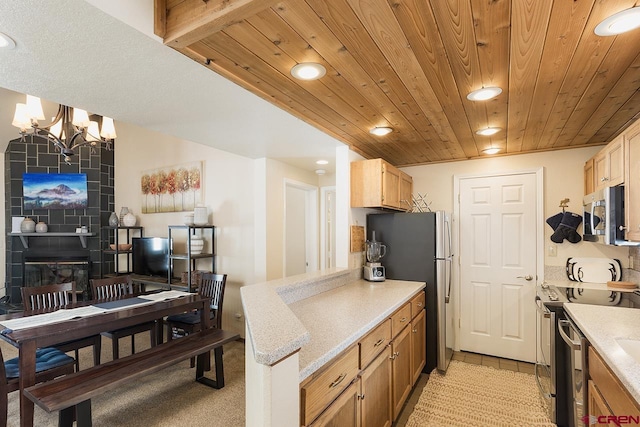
x=73, y=393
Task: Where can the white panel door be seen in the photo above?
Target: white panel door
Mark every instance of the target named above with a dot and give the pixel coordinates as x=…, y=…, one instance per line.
x=498, y=265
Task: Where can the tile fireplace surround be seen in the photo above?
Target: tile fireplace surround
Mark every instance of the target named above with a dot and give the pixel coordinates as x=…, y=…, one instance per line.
x=39, y=156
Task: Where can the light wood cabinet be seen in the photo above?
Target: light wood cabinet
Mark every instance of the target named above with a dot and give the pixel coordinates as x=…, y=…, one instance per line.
x=418, y=345
x=344, y=412
x=589, y=176
x=319, y=390
x=608, y=164
x=368, y=383
x=375, y=391
x=376, y=183
x=611, y=398
x=632, y=184
x=402, y=378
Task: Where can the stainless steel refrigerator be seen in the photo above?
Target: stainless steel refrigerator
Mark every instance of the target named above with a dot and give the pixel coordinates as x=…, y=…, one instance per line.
x=419, y=249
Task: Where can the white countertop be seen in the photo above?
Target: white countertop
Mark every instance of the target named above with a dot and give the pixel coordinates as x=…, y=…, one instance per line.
x=338, y=318
x=320, y=314
x=601, y=325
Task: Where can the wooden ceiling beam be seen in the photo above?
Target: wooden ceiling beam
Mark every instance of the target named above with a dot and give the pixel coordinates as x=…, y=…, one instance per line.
x=192, y=20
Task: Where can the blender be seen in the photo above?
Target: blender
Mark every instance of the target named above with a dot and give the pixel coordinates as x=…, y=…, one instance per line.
x=373, y=270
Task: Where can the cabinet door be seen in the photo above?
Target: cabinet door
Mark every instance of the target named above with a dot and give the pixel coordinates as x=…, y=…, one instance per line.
x=632, y=186
x=615, y=161
x=401, y=370
x=589, y=177
x=390, y=186
x=344, y=412
x=406, y=190
x=597, y=405
x=375, y=391
x=600, y=170
x=418, y=345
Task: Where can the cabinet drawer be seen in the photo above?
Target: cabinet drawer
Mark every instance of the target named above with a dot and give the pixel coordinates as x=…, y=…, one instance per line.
x=322, y=389
x=400, y=319
x=611, y=389
x=374, y=342
x=417, y=304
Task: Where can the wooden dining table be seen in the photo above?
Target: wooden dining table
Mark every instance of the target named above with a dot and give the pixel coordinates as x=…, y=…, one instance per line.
x=27, y=340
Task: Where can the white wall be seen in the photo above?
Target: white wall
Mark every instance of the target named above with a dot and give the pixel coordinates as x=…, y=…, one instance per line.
x=563, y=178
x=228, y=185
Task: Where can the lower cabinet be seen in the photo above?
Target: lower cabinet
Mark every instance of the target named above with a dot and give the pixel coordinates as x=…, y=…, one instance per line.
x=597, y=405
x=418, y=344
x=368, y=384
x=402, y=375
x=375, y=388
x=344, y=412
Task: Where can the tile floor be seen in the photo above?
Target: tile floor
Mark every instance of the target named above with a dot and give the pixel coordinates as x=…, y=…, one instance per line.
x=475, y=358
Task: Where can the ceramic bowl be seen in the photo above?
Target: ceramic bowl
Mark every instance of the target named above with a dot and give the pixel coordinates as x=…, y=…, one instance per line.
x=121, y=247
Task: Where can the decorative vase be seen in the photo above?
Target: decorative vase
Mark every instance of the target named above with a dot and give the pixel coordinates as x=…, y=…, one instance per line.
x=41, y=227
x=200, y=215
x=114, y=221
x=197, y=245
x=27, y=226
x=123, y=211
x=129, y=220
x=188, y=218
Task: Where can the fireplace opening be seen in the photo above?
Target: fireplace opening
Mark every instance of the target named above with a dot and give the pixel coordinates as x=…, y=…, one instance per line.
x=42, y=271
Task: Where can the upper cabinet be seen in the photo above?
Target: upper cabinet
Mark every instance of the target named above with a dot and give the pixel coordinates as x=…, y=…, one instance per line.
x=632, y=184
x=378, y=184
x=606, y=168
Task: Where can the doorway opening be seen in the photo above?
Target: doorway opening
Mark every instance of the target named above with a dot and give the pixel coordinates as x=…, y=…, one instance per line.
x=300, y=228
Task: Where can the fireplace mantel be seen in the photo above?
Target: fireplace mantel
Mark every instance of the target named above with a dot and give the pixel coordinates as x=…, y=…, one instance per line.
x=24, y=237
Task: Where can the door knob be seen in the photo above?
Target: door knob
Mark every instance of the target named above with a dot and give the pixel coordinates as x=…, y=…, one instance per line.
x=528, y=277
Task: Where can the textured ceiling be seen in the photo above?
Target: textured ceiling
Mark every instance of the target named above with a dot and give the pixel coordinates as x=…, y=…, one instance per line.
x=70, y=52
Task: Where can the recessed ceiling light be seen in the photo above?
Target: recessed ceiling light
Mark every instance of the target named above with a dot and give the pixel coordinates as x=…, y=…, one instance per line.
x=491, y=150
x=620, y=22
x=484, y=93
x=320, y=171
x=381, y=131
x=308, y=71
x=488, y=131
x=322, y=162
x=6, y=42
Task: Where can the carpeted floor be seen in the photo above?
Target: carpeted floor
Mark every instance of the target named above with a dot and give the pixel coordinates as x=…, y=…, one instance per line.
x=475, y=395
x=166, y=399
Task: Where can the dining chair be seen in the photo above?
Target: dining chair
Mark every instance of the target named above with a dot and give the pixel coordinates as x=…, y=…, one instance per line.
x=112, y=288
x=50, y=363
x=56, y=296
x=212, y=287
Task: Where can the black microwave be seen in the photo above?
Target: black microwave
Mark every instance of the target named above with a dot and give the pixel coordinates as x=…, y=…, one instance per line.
x=603, y=220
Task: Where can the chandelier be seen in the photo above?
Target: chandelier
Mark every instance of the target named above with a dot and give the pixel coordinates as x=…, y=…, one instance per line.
x=71, y=128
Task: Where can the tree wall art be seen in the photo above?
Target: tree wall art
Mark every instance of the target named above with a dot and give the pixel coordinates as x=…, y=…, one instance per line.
x=172, y=189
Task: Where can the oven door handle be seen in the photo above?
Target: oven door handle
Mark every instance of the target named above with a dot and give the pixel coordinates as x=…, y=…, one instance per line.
x=542, y=309
x=562, y=324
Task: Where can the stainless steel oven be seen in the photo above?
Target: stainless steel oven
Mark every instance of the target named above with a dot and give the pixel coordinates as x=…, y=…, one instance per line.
x=561, y=361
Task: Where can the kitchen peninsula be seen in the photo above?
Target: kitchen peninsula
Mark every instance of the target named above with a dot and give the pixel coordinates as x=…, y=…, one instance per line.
x=295, y=325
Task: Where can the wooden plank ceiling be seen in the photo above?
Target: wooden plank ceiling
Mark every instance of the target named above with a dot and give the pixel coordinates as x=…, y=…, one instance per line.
x=409, y=64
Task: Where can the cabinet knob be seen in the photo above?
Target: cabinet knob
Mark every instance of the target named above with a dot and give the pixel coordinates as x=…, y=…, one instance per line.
x=415, y=331
x=603, y=179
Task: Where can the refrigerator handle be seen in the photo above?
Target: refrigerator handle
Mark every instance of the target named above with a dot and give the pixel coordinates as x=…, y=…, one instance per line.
x=448, y=228
x=448, y=296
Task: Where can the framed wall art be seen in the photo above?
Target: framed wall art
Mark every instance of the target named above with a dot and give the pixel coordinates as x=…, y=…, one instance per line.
x=171, y=189
x=54, y=190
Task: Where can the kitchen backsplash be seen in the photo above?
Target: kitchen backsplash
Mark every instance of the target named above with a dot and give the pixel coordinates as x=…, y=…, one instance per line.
x=634, y=254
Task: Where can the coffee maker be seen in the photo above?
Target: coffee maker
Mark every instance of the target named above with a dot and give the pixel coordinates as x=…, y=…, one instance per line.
x=373, y=270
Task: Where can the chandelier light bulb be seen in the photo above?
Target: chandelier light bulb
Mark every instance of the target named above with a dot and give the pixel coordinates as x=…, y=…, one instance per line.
x=80, y=118
x=92, y=132
x=108, y=128
x=21, y=117
x=34, y=108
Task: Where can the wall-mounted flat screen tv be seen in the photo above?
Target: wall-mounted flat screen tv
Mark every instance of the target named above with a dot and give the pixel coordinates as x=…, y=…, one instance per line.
x=150, y=256
x=54, y=190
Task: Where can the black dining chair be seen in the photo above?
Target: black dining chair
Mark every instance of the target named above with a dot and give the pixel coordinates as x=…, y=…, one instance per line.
x=56, y=296
x=112, y=288
x=212, y=287
x=50, y=363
